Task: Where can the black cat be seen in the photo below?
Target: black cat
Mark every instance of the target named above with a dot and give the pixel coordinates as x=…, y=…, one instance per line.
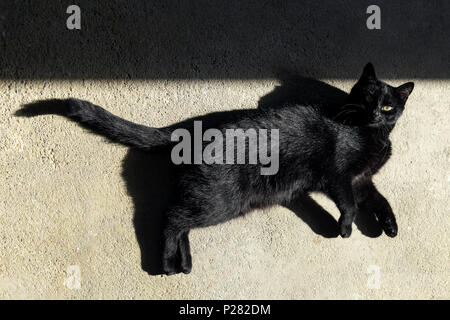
x=335, y=151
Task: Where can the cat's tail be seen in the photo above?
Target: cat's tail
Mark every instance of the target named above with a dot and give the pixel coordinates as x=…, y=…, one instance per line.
x=100, y=121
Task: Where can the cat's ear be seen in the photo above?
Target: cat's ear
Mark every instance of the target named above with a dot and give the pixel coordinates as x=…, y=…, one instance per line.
x=405, y=90
x=368, y=72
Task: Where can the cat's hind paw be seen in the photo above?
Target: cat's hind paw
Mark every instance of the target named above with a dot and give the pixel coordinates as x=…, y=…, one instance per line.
x=169, y=266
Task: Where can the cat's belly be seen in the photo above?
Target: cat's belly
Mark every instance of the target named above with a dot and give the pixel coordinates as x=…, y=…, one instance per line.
x=259, y=200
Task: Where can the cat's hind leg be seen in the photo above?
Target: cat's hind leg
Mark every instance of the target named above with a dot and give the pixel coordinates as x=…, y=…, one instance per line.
x=170, y=249
x=176, y=250
x=185, y=253
x=172, y=232
x=180, y=219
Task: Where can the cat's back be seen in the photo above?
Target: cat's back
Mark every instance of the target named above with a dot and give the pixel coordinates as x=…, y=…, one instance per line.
x=303, y=129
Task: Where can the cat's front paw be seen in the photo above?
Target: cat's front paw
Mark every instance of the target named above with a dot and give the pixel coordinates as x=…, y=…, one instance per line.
x=390, y=227
x=345, y=230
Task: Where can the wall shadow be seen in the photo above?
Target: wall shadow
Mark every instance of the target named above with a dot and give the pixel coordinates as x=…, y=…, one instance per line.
x=214, y=39
x=151, y=178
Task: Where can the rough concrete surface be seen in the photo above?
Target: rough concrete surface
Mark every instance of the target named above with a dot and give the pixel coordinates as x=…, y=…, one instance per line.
x=66, y=207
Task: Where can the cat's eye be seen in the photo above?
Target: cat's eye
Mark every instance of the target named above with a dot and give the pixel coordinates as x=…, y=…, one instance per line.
x=369, y=98
x=386, y=108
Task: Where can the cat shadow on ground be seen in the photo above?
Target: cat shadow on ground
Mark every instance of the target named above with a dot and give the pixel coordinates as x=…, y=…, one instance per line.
x=151, y=177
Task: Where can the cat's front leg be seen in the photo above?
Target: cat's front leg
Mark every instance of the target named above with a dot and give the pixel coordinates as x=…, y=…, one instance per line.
x=342, y=194
x=368, y=197
x=383, y=212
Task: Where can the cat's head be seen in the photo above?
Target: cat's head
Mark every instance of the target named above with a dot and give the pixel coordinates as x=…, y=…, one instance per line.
x=381, y=103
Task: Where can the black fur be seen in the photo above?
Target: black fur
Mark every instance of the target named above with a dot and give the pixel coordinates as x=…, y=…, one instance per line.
x=334, y=150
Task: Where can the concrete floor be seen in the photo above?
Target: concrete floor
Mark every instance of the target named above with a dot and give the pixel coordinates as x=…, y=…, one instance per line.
x=74, y=209
x=65, y=203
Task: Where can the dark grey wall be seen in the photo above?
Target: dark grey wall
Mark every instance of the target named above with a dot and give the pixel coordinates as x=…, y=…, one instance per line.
x=201, y=39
